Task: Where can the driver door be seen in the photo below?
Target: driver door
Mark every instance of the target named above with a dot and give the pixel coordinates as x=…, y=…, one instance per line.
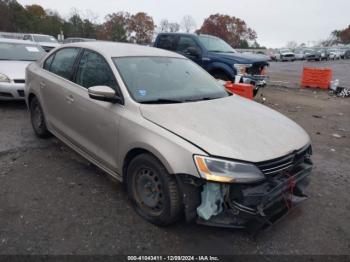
x=94, y=124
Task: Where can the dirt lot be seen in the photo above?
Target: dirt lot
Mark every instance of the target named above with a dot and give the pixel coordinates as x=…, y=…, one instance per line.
x=54, y=202
x=289, y=74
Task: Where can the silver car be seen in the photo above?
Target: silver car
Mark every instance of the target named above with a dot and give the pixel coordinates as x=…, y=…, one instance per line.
x=15, y=56
x=161, y=124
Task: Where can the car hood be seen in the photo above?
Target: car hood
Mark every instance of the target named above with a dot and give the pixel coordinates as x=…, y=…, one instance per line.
x=287, y=53
x=14, y=69
x=240, y=58
x=232, y=127
x=49, y=44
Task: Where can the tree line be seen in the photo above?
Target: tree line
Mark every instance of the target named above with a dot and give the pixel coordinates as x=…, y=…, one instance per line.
x=119, y=26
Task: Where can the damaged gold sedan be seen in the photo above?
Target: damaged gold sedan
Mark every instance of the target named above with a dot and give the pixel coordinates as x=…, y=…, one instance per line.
x=161, y=124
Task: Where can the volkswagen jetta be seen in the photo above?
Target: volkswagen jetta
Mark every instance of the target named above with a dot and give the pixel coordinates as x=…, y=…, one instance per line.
x=166, y=128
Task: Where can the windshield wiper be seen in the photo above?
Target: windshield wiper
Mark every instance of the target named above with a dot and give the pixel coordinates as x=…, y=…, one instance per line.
x=221, y=51
x=162, y=101
x=201, y=99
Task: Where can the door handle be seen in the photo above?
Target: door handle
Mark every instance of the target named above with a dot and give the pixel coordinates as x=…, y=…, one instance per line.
x=70, y=99
x=42, y=84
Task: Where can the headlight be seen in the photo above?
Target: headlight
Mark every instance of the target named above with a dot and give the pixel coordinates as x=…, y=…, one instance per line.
x=220, y=170
x=4, y=78
x=241, y=68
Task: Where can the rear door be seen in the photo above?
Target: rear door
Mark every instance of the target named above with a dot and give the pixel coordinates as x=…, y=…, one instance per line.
x=56, y=76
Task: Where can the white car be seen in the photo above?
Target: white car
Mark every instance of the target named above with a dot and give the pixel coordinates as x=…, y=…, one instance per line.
x=47, y=42
x=334, y=54
x=15, y=56
x=285, y=55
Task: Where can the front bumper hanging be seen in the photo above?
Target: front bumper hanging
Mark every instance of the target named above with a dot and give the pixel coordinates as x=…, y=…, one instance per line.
x=254, y=206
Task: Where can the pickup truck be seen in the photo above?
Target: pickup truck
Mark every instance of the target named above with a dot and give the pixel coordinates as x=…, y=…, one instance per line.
x=217, y=57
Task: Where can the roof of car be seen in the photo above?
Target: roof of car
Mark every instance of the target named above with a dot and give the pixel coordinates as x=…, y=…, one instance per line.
x=115, y=49
x=17, y=41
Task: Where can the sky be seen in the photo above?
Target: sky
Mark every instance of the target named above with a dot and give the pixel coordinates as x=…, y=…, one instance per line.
x=275, y=21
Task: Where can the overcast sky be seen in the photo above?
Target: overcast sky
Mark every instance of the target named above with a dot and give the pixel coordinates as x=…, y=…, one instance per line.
x=275, y=21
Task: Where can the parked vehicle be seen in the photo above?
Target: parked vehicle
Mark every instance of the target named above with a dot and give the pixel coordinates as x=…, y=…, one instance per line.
x=334, y=54
x=77, y=39
x=324, y=54
x=299, y=54
x=47, y=42
x=15, y=55
x=342, y=53
x=164, y=126
x=347, y=54
x=217, y=57
x=273, y=55
x=285, y=55
x=313, y=55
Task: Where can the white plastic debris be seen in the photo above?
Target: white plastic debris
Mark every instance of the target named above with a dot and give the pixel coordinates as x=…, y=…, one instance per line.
x=212, y=200
x=334, y=85
x=336, y=135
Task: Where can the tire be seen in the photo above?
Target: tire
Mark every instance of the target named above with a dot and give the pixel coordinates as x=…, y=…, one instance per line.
x=222, y=76
x=154, y=193
x=37, y=119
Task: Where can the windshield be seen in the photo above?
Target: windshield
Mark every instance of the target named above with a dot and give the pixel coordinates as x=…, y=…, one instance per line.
x=167, y=80
x=214, y=44
x=44, y=38
x=25, y=52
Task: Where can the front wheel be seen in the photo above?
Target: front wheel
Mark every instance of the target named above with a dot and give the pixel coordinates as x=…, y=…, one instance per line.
x=153, y=192
x=37, y=119
x=221, y=76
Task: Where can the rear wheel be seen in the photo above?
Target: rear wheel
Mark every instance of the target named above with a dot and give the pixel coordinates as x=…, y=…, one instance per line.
x=37, y=119
x=153, y=191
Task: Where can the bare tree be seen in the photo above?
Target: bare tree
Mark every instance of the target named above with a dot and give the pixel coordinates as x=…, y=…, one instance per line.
x=292, y=45
x=163, y=26
x=174, y=27
x=188, y=24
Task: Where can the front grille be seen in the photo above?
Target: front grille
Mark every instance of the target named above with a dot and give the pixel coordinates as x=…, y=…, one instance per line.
x=278, y=165
x=256, y=68
x=19, y=81
x=20, y=93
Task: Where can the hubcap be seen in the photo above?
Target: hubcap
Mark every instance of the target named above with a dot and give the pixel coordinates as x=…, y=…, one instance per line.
x=37, y=117
x=148, y=190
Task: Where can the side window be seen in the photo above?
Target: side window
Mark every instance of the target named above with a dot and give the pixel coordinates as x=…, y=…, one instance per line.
x=93, y=70
x=168, y=42
x=186, y=42
x=48, y=62
x=26, y=37
x=63, y=62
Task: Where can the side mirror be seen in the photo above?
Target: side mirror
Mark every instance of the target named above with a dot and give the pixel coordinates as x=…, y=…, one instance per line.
x=192, y=51
x=104, y=93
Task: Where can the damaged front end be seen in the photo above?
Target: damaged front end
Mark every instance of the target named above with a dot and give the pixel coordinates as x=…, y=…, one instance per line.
x=252, y=205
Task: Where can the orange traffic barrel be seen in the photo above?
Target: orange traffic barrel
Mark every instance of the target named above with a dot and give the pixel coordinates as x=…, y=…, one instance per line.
x=316, y=77
x=245, y=90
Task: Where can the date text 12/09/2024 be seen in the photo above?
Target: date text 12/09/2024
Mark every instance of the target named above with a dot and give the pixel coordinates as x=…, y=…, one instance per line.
x=173, y=258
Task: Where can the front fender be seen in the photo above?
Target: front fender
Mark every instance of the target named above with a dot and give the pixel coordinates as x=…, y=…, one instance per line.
x=175, y=153
x=219, y=66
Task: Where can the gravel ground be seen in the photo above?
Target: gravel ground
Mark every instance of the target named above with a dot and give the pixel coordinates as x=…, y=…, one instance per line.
x=52, y=201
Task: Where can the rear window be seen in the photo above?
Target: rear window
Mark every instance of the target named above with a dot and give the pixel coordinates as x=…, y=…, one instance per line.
x=168, y=42
x=22, y=52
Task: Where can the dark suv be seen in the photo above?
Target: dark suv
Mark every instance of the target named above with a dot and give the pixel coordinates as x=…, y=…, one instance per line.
x=216, y=56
